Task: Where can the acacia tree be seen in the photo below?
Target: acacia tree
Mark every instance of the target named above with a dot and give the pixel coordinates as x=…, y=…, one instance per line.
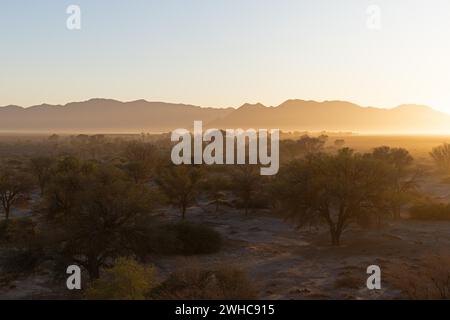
x=441, y=156
x=40, y=168
x=95, y=211
x=215, y=186
x=300, y=148
x=14, y=186
x=332, y=189
x=403, y=176
x=339, y=143
x=245, y=184
x=142, y=159
x=180, y=185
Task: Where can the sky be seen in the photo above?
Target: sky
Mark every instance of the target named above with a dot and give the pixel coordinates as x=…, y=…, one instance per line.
x=224, y=53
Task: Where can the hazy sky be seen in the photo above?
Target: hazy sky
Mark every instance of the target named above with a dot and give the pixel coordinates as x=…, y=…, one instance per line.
x=226, y=52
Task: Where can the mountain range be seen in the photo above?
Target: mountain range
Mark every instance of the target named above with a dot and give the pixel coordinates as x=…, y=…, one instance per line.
x=112, y=116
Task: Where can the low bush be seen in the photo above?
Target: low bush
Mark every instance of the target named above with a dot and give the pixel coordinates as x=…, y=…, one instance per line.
x=430, y=280
x=127, y=280
x=23, y=250
x=198, y=284
x=21, y=261
x=17, y=232
x=430, y=211
x=186, y=238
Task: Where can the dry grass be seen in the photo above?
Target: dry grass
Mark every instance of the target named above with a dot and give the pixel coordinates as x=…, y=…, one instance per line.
x=200, y=284
x=430, y=280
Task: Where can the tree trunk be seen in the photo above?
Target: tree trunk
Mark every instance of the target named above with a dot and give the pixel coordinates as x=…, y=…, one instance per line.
x=335, y=240
x=183, y=212
x=94, y=270
x=7, y=211
x=335, y=236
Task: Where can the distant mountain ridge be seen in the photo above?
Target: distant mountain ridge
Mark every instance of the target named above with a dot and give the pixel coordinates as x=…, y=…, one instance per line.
x=338, y=116
x=105, y=115
x=112, y=116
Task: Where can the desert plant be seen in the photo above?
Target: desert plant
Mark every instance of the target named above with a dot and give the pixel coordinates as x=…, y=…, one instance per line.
x=215, y=187
x=198, y=284
x=142, y=159
x=339, y=143
x=403, y=177
x=17, y=232
x=14, y=187
x=441, y=156
x=430, y=280
x=127, y=280
x=40, y=168
x=245, y=184
x=95, y=210
x=21, y=261
x=180, y=184
x=305, y=145
x=21, y=245
x=335, y=190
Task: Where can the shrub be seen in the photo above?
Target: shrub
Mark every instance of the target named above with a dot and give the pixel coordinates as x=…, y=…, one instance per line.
x=186, y=238
x=441, y=156
x=23, y=261
x=197, y=284
x=429, y=281
x=430, y=211
x=24, y=251
x=127, y=280
x=17, y=232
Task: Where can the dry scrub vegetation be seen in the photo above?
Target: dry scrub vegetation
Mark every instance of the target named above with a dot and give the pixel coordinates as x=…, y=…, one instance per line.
x=430, y=280
x=117, y=207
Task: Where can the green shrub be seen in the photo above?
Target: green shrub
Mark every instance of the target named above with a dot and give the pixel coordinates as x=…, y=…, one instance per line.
x=197, y=284
x=430, y=211
x=186, y=238
x=127, y=280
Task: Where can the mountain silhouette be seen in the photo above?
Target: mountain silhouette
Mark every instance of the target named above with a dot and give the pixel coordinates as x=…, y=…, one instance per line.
x=105, y=115
x=337, y=116
x=112, y=116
